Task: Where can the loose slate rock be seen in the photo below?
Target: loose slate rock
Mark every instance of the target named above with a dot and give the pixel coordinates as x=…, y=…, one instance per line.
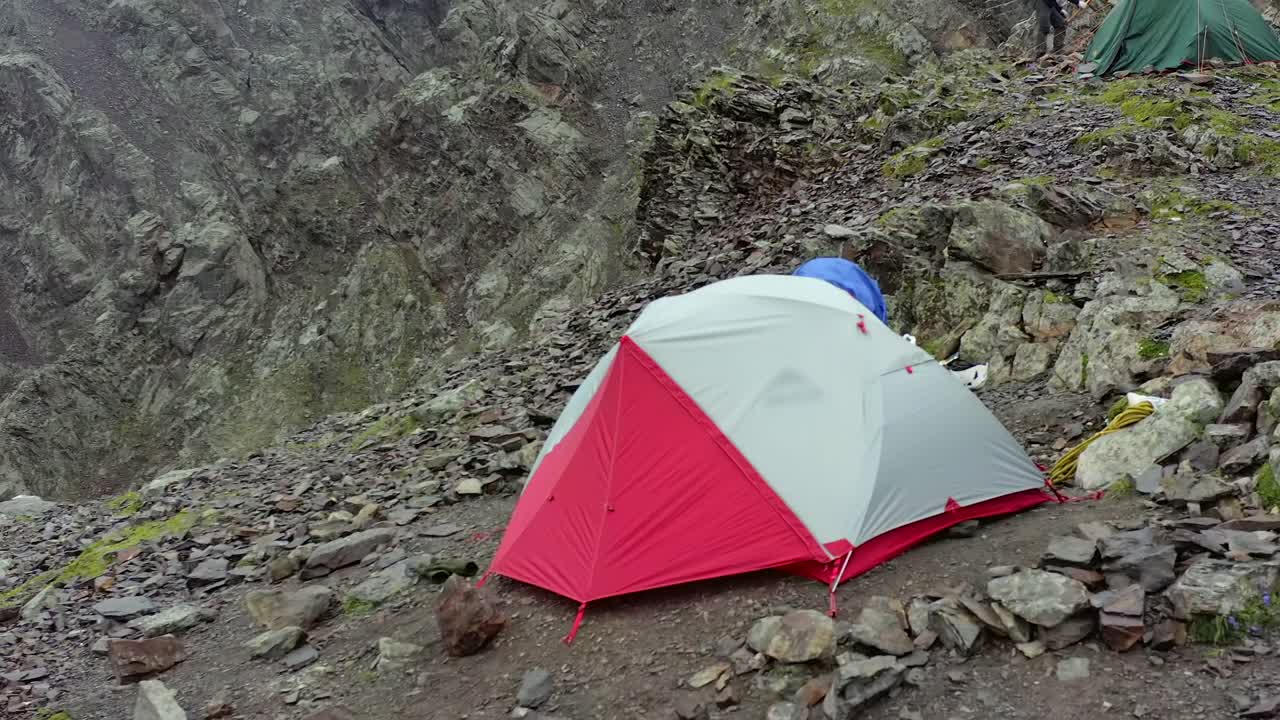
x=537, y=686
x=467, y=618
x=1219, y=587
x=275, y=608
x=1069, y=550
x=385, y=584
x=300, y=657
x=275, y=644
x=1069, y=631
x=957, y=627
x=799, y=636
x=124, y=608
x=130, y=658
x=157, y=702
x=393, y=654
x=210, y=571
x=1041, y=598
x=1243, y=458
x=857, y=683
x=171, y=621
x=349, y=550
x=881, y=630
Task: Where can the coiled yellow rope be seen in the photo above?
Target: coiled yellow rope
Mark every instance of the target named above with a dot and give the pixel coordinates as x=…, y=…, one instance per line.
x=1064, y=471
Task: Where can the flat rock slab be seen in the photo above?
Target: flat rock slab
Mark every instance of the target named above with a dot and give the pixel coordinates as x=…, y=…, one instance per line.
x=349, y=550
x=1067, y=550
x=275, y=644
x=26, y=505
x=130, y=658
x=170, y=621
x=1041, y=598
x=157, y=702
x=124, y=608
x=274, y=609
x=1219, y=587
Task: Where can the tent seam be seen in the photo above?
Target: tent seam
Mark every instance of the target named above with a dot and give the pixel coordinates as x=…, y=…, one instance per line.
x=753, y=476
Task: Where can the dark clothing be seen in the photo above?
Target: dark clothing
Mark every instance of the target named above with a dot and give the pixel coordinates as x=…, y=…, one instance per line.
x=1050, y=16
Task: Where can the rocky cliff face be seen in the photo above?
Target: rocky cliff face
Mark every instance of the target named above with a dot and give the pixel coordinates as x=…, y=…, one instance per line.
x=220, y=220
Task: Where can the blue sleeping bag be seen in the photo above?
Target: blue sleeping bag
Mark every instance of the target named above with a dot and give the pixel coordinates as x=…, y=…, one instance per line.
x=846, y=275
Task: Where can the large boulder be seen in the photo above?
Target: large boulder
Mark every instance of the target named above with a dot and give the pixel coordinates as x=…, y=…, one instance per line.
x=1110, y=345
x=998, y=237
x=1128, y=453
x=1241, y=325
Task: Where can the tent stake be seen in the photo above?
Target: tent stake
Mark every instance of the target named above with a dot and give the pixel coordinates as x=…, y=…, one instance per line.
x=831, y=595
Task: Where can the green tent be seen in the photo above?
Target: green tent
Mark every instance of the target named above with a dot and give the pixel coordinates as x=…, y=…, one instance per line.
x=1145, y=35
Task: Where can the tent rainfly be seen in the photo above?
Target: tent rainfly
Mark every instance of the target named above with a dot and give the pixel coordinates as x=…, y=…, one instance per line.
x=759, y=422
x=1160, y=35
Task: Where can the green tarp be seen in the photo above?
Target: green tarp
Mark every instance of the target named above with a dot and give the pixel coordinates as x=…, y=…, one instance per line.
x=1146, y=35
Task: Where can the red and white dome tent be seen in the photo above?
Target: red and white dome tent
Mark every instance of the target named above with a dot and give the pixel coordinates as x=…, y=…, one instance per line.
x=759, y=422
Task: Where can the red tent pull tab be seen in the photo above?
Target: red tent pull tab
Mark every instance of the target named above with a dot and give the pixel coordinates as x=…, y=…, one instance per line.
x=911, y=370
x=862, y=323
x=577, y=623
x=952, y=505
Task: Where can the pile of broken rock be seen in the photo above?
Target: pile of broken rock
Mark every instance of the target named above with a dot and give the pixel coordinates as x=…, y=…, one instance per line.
x=1132, y=585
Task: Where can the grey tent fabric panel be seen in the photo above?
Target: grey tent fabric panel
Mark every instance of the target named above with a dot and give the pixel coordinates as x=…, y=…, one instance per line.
x=939, y=442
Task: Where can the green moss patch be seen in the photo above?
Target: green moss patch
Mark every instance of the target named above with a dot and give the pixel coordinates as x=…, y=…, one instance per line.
x=388, y=429
x=1190, y=284
x=1151, y=349
x=1268, y=488
x=126, y=505
x=913, y=160
x=356, y=606
x=94, y=560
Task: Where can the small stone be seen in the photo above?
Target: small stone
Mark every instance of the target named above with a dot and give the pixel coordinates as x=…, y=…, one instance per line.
x=957, y=676
x=209, y=571
x=1121, y=632
x=707, y=675
x=1031, y=650
x=857, y=683
x=1073, y=669
x=469, y=486
x=838, y=231
x=957, y=627
x=966, y=529
x=157, y=702
x=918, y=615
x=1018, y=630
x=536, y=688
x=1128, y=601
x=786, y=711
x=282, y=568
x=813, y=691
x=130, y=658
x=393, y=655
x=799, y=636
x=275, y=608
x=385, y=584
x=1069, y=631
x=727, y=697
x=124, y=608
x=300, y=657
x=1244, y=458
x=1202, y=456
x=275, y=644
x=925, y=640
x=349, y=550
x=996, y=571
x=467, y=618
x=881, y=630
x=172, y=621
x=1067, y=550
x=1225, y=437
x=1168, y=634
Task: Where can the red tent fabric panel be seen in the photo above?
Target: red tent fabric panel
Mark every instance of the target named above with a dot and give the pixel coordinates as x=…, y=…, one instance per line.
x=887, y=546
x=646, y=492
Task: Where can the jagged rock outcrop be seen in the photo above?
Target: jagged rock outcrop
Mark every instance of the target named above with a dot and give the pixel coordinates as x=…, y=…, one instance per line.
x=221, y=222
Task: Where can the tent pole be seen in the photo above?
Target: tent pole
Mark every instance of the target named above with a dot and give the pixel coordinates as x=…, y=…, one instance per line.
x=831, y=594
